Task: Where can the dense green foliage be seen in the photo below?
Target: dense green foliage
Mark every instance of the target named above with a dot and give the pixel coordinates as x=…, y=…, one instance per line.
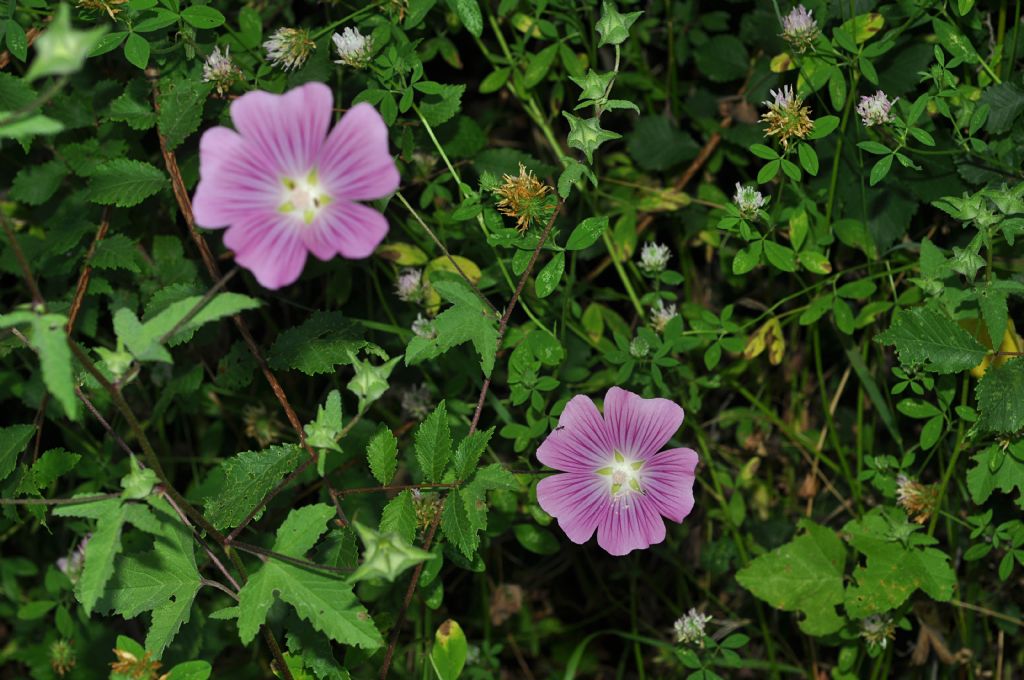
x=333, y=480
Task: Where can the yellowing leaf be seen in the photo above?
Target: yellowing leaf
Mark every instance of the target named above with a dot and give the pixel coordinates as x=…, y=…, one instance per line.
x=402, y=254
x=768, y=336
x=782, y=63
x=444, y=264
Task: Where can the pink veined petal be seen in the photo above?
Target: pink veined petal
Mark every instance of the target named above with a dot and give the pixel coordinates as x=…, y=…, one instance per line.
x=577, y=500
x=233, y=185
x=285, y=131
x=639, y=427
x=668, y=480
x=579, y=443
x=350, y=229
x=355, y=162
x=633, y=523
x=270, y=247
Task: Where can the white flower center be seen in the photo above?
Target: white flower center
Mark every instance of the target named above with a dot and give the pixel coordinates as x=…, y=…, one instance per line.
x=624, y=476
x=303, y=197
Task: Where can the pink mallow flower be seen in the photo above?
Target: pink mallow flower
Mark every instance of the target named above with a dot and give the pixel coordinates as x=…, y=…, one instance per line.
x=613, y=478
x=283, y=186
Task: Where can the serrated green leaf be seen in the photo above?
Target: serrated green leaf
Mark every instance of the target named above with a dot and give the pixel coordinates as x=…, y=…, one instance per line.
x=248, y=477
x=323, y=341
x=803, y=575
x=468, y=453
x=399, y=517
x=180, y=105
x=924, y=335
x=50, y=341
x=13, y=440
x=434, y=444
x=36, y=184
x=125, y=183
x=999, y=393
x=467, y=320
x=999, y=469
x=382, y=455
x=104, y=545
x=441, y=102
x=44, y=471
x=133, y=107
x=456, y=526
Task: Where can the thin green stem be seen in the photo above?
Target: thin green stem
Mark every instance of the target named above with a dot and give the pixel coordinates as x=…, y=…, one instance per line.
x=622, y=274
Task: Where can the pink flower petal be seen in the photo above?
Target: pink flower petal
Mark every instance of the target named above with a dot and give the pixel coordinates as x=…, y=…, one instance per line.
x=579, y=443
x=668, y=480
x=232, y=187
x=578, y=500
x=632, y=524
x=639, y=427
x=270, y=247
x=285, y=131
x=355, y=162
x=350, y=229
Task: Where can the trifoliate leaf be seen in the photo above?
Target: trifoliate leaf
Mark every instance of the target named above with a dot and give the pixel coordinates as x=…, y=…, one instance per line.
x=382, y=455
x=434, y=444
x=248, y=477
x=803, y=575
x=924, y=335
x=322, y=342
x=467, y=320
x=324, y=600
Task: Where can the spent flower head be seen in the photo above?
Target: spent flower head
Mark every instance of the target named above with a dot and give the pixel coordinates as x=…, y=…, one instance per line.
x=615, y=479
x=109, y=6
x=787, y=117
x=661, y=314
x=289, y=47
x=220, y=70
x=72, y=565
x=409, y=285
x=878, y=629
x=525, y=198
x=354, y=48
x=62, y=657
x=417, y=402
x=919, y=500
x=424, y=328
x=654, y=258
x=799, y=28
x=875, y=109
x=690, y=627
x=749, y=201
x=261, y=425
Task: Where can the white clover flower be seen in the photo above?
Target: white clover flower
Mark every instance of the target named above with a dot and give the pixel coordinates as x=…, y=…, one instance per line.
x=220, y=70
x=423, y=327
x=289, y=48
x=409, y=285
x=72, y=565
x=878, y=630
x=416, y=402
x=749, y=201
x=661, y=314
x=690, y=628
x=353, y=47
x=799, y=28
x=654, y=258
x=782, y=98
x=875, y=109
x=639, y=348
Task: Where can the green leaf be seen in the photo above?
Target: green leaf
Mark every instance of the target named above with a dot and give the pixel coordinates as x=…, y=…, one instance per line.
x=180, y=103
x=470, y=16
x=13, y=440
x=399, y=517
x=895, y=566
x=803, y=575
x=133, y=107
x=808, y=158
x=382, y=454
x=954, y=41
x=125, y=183
x=999, y=469
x=999, y=397
x=538, y=65
x=924, y=335
x=36, y=184
x=434, y=444
x=323, y=341
x=44, y=471
x=456, y=526
x=536, y=539
x=442, y=101
x=467, y=320
x=202, y=16
x=723, y=58
x=104, y=545
x=780, y=256
x=50, y=341
x=550, y=275
x=117, y=251
x=164, y=580
x=448, y=655
x=248, y=477
x=326, y=601
x=587, y=233
x=468, y=453
x=323, y=433
x=17, y=41
x=136, y=51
